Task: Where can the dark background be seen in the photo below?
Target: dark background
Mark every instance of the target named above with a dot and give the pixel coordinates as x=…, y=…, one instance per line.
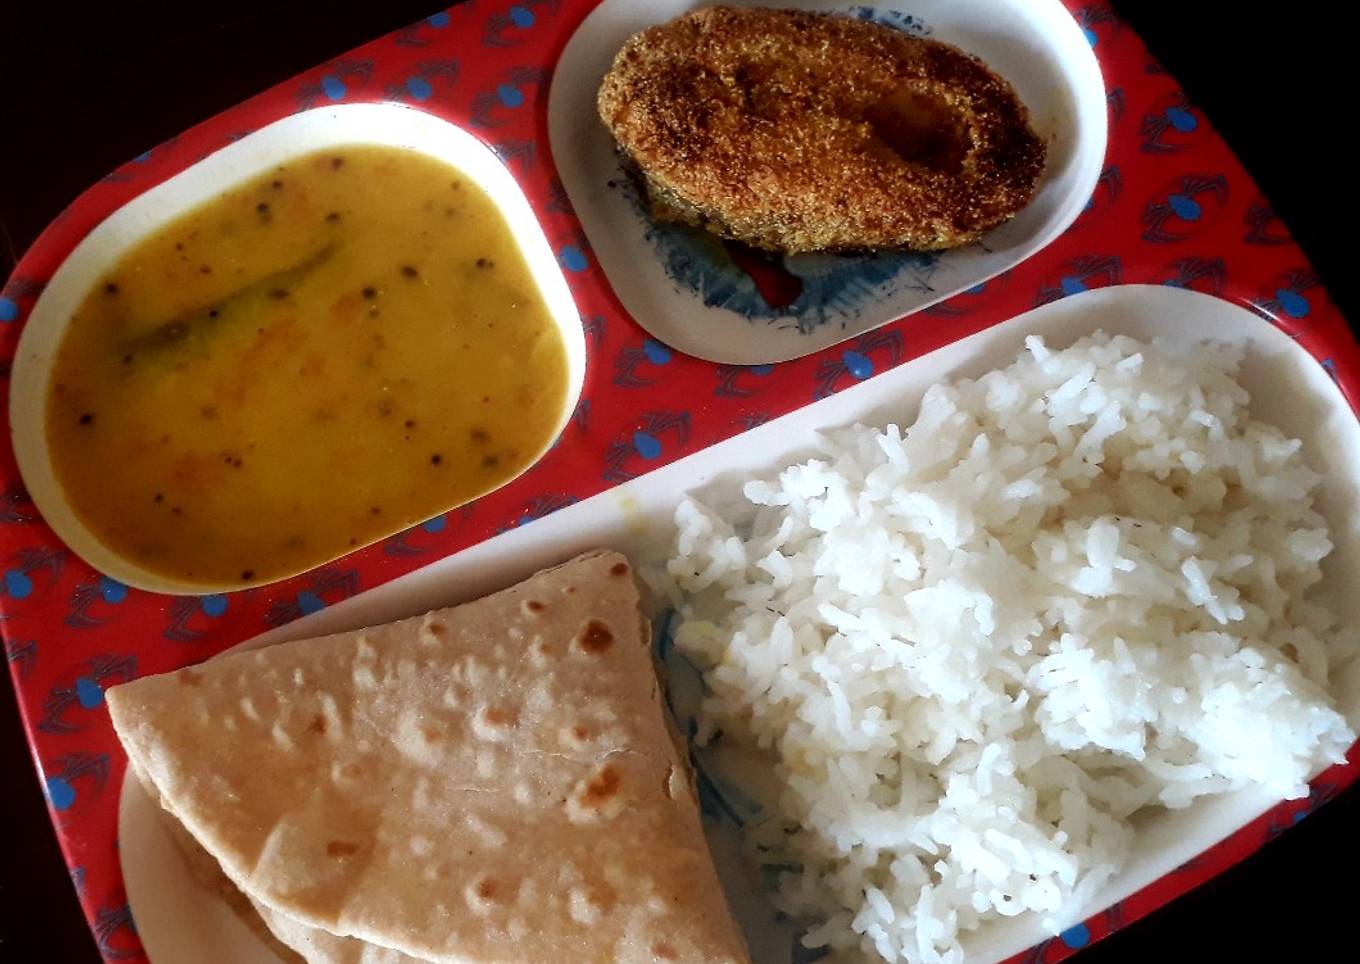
x=85, y=85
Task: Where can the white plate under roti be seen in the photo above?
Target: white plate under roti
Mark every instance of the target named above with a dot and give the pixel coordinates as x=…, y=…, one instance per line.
x=180, y=922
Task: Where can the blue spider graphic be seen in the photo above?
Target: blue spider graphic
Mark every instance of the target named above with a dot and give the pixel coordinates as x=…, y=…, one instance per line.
x=335, y=83
x=518, y=18
x=557, y=202
x=1167, y=128
x=17, y=289
x=647, y=442
x=1081, y=274
x=145, y=156
x=420, y=85
x=23, y=654
x=1076, y=937
x=1108, y=187
x=580, y=416
x=1115, y=103
x=856, y=362
x=729, y=377
x=87, y=595
x=572, y=256
x=650, y=353
x=1093, y=16
x=1292, y=813
x=487, y=107
x=415, y=540
x=186, y=610
x=411, y=36
x=325, y=586
x=24, y=564
x=16, y=507
x=537, y=508
x=1263, y=224
x=1287, y=299
x=62, y=790
x=85, y=690
x=593, y=328
x=520, y=151
x=1197, y=274
x=753, y=420
x=960, y=304
x=113, y=924
x=1175, y=215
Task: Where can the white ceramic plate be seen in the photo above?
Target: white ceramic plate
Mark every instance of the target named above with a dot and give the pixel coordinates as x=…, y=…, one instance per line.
x=181, y=923
x=679, y=285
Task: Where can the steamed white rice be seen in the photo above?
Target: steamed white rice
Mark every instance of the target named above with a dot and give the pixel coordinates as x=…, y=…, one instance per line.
x=1072, y=589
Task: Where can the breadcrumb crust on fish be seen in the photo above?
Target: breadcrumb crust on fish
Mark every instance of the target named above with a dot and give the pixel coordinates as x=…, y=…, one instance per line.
x=800, y=132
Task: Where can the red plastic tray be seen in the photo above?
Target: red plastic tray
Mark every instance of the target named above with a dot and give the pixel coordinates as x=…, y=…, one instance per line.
x=1173, y=206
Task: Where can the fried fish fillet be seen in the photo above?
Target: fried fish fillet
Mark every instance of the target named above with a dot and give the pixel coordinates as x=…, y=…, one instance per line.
x=797, y=132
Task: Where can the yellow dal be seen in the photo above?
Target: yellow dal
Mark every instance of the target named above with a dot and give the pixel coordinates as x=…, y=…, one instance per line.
x=317, y=358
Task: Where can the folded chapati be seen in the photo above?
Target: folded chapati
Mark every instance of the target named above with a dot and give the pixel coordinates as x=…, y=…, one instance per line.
x=491, y=783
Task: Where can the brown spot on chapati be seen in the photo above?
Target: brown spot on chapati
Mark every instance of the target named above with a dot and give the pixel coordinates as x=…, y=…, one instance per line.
x=499, y=716
x=663, y=951
x=351, y=771
x=436, y=629
x=587, y=903
x=318, y=724
x=580, y=732
x=595, y=638
x=570, y=590
x=487, y=888
x=431, y=733
x=604, y=785
x=533, y=606
x=341, y=848
x=597, y=799
x=619, y=569
x=190, y=678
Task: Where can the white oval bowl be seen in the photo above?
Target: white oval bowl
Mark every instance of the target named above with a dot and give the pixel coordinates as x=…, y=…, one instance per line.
x=391, y=125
